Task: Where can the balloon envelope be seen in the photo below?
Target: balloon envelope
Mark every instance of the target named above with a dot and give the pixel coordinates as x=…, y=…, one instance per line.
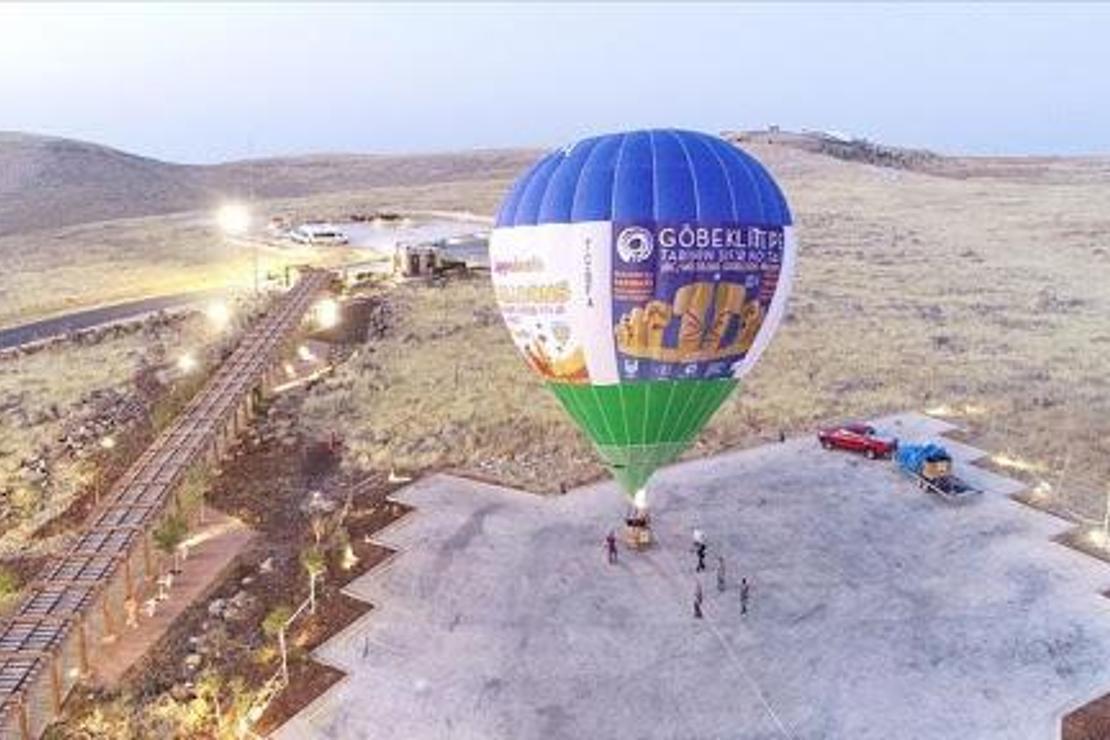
x=641, y=275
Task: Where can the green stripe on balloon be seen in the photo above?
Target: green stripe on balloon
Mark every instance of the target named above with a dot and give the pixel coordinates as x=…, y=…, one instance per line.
x=638, y=427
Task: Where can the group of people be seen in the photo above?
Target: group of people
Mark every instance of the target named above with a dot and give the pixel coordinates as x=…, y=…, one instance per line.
x=700, y=550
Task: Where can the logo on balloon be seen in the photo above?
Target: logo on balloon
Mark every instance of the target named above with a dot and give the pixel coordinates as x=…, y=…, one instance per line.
x=634, y=244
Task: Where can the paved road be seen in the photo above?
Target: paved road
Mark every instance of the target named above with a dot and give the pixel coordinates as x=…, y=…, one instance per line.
x=46, y=328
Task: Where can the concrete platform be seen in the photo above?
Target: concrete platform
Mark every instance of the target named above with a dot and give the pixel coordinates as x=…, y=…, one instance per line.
x=878, y=611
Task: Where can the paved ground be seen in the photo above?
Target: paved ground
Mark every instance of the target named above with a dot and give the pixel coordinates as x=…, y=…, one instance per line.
x=878, y=612
x=87, y=318
x=213, y=546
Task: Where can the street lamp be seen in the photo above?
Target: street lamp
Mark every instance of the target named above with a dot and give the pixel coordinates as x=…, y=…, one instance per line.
x=234, y=219
x=219, y=314
x=187, y=363
x=327, y=313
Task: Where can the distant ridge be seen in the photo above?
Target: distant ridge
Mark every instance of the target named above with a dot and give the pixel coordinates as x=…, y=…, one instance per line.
x=48, y=182
x=841, y=146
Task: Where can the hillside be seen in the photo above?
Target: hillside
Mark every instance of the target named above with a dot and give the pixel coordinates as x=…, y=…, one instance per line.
x=48, y=182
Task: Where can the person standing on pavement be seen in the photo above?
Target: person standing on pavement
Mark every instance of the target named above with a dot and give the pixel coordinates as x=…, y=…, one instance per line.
x=611, y=546
x=720, y=574
x=745, y=594
x=699, y=550
x=698, y=596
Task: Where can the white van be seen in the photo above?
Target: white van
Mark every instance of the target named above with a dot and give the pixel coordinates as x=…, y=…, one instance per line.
x=318, y=233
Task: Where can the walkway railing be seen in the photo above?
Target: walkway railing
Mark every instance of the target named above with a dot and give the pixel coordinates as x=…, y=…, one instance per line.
x=81, y=598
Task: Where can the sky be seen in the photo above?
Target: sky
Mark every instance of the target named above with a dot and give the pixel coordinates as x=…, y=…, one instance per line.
x=211, y=82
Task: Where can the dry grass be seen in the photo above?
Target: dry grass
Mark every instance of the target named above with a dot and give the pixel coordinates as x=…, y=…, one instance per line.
x=44, y=396
x=984, y=296
x=446, y=388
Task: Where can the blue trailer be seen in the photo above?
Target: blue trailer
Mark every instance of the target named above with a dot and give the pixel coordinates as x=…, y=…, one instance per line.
x=930, y=466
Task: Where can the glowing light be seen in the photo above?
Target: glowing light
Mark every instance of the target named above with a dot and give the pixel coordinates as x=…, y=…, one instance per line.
x=1016, y=463
x=639, y=500
x=233, y=219
x=187, y=363
x=219, y=314
x=327, y=313
x=1097, y=537
x=349, y=560
x=305, y=354
x=1043, y=488
x=108, y=443
x=289, y=370
x=967, y=409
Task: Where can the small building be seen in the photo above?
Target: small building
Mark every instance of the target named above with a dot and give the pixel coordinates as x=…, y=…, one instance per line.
x=411, y=260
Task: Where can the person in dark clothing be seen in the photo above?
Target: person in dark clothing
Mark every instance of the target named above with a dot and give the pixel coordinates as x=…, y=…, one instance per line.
x=782, y=436
x=745, y=594
x=720, y=573
x=699, y=550
x=611, y=546
x=697, y=600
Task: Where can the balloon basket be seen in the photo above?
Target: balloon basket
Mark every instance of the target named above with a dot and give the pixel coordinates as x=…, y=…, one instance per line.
x=637, y=530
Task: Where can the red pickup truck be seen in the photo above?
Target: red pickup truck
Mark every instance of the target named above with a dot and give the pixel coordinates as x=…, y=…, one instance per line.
x=857, y=438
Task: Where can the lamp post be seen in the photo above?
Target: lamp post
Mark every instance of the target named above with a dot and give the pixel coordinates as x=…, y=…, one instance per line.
x=235, y=220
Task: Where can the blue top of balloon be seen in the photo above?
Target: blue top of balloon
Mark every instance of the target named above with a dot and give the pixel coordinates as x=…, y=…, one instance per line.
x=659, y=176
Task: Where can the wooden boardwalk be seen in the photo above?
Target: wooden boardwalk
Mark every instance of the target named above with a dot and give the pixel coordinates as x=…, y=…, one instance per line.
x=78, y=605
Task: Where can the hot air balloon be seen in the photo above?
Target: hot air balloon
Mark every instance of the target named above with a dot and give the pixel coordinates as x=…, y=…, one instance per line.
x=642, y=274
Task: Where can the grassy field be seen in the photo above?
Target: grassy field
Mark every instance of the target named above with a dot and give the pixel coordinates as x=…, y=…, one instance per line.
x=982, y=297
x=48, y=395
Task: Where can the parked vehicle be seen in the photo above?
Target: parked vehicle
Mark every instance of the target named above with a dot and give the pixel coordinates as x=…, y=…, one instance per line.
x=930, y=466
x=861, y=438
x=318, y=233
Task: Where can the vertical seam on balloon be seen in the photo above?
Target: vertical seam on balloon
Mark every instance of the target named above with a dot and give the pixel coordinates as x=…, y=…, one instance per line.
x=736, y=154
x=590, y=145
x=666, y=413
x=578, y=183
x=569, y=399
x=517, y=191
x=602, y=413
x=616, y=179
x=728, y=179
x=682, y=413
x=550, y=179
x=654, y=179
x=693, y=174
x=612, y=215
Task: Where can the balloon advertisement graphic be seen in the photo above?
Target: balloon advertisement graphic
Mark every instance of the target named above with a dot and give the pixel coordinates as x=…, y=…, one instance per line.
x=641, y=275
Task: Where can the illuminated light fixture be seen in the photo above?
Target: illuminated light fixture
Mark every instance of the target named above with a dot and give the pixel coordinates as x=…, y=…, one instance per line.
x=219, y=314
x=327, y=313
x=233, y=219
x=187, y=363
x=1016, y=463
